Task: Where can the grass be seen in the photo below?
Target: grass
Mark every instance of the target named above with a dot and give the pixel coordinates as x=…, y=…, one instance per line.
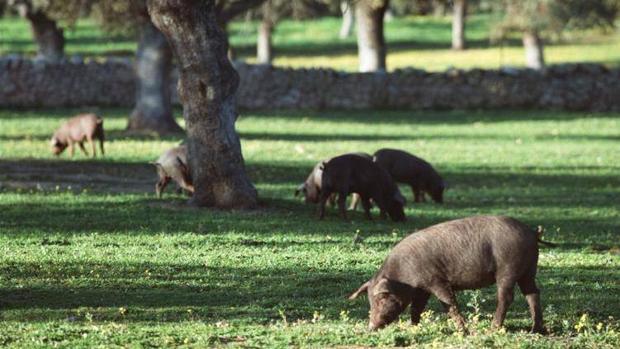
x=89, y=257
x=421, y=42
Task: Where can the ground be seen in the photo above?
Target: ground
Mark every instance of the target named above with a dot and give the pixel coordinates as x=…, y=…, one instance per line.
x=420, y=42
x=89, y=257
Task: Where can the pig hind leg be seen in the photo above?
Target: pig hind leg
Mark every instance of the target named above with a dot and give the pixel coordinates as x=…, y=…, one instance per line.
x=419, y=300
x=505, y=295
x=448, y=300
x=367, y=206
x=527, y=284
x=83, y=149
x=418, y=195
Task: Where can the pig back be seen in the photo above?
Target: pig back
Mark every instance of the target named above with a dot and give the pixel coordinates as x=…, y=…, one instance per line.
x=467, y=253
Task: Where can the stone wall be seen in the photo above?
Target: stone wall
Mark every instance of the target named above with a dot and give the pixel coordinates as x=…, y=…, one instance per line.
x=75, y=83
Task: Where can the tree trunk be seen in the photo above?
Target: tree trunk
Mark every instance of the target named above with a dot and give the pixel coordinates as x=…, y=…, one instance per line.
x=439, y=8
x=49, y=38
x=264, y=53
x=207, y=89
x=458, y=24
x=534, y=54
x=370, y=40
x=348, y=19
x=153, y=109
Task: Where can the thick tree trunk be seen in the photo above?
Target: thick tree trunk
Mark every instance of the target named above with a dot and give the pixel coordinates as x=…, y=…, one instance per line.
x=207, y=89
x=370, y=40
x=458, y=24
x=348, y=19
x=49, y=38
x=264, y=49
x=153, y=109
x=534, y=50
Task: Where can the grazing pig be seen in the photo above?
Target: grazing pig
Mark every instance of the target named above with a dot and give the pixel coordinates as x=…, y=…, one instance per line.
x=410, y=169
x=76, y=130
x=311, y=188
x=172, y=164
x=351, y=173
x=462, y=254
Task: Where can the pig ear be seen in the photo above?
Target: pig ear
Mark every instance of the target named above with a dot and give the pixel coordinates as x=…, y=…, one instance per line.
x=322, y=165
x=362, y=289
x=383, y=286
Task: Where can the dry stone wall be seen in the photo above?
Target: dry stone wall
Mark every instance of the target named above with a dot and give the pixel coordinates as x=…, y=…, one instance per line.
x=110, y=83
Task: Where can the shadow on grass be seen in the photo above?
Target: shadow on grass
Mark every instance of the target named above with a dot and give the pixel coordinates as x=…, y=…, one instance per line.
x=165, y=292
x=537, y=198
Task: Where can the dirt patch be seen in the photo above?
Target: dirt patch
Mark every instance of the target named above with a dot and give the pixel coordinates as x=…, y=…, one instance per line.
x=78, y=176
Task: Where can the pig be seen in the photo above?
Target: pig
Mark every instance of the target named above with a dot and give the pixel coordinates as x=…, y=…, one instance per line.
x=172, y=164
x=311, y=188
x=468, y=253
x=351, y=173
x=410, y=169
x=77, y=129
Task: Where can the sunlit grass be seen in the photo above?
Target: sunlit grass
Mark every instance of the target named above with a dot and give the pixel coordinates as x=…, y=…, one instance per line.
x=420, y=42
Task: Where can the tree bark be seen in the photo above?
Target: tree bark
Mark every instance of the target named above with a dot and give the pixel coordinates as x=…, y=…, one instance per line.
x=49, y=38
x=534, y=50
x=439, y=8
x=370, y=40
x=153, y=109
x=458, y=24
x=264, y=49
x=348, y=19
x=207, y=89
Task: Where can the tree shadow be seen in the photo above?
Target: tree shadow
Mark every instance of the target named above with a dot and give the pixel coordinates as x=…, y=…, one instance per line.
x=164, y=292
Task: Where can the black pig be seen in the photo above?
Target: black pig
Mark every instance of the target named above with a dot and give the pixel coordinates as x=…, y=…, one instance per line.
x=351, y=173
x=410, y=169
x=462, y=254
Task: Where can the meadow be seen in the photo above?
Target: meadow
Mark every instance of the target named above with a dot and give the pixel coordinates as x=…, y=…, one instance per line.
x=413, y=41
x=89, y=257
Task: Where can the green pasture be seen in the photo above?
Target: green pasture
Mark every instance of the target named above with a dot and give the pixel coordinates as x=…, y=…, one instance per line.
x=90, y=258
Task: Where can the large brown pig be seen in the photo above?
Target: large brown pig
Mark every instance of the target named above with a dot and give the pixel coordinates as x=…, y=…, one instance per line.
x=76, y=130
x=462, y=254
x=351, y=173
x=172, y=164
x=410, y=169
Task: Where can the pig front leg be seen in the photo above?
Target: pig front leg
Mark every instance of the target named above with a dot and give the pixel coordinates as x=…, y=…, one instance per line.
x=322, y=201
x=448, y=300
x=71, y=149
x=419, y=300
x=92, y=145
x=342, y=202
x=161, y=185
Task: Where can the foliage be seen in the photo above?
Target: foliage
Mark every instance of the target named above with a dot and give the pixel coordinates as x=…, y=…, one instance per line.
x=99, y=261
x=555, y=15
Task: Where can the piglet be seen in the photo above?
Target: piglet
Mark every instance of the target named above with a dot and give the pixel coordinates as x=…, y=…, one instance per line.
x=173, y=165
x=76, y=130
x=462, y=254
